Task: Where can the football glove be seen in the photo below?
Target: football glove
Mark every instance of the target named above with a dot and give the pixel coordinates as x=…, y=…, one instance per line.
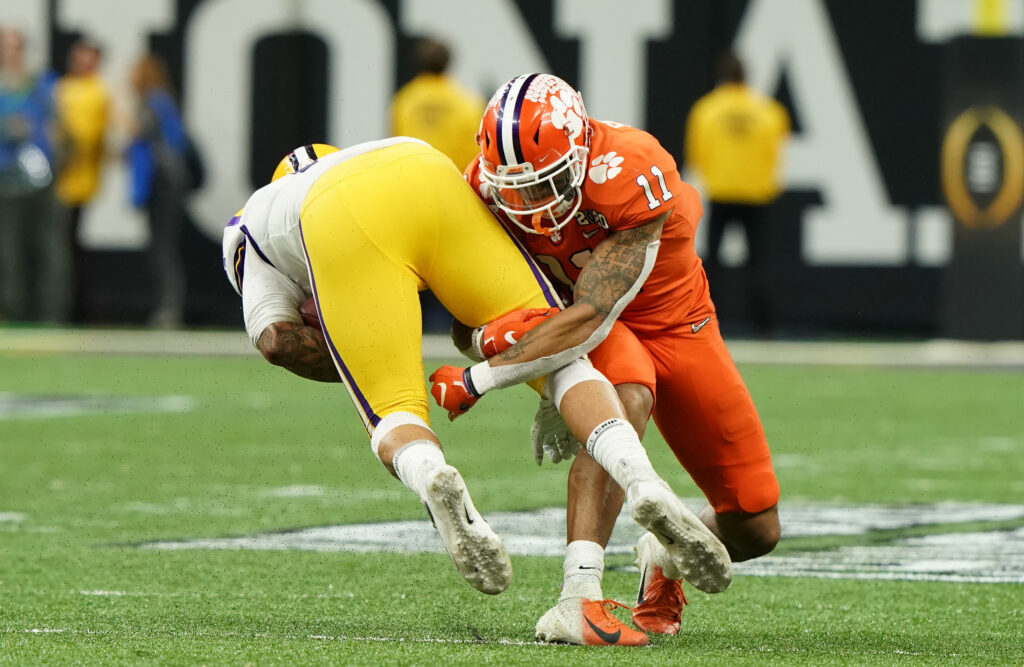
x=452, y=391
x=504, y=332
x=549, y=435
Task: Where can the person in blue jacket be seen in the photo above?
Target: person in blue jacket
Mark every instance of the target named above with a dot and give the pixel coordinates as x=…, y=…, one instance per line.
x=160, y=182
x=34, y=259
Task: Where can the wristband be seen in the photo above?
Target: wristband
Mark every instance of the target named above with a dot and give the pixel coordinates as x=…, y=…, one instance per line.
x=477, y=339
x=467, y=382
x=481, y=377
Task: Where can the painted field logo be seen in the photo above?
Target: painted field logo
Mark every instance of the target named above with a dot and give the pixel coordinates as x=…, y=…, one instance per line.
x=995, y=556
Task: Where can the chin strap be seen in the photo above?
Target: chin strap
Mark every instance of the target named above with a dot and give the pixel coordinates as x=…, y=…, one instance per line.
x=535, y=220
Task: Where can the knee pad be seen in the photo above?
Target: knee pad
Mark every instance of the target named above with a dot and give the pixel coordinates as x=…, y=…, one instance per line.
x=569, y=376
x=390, y=422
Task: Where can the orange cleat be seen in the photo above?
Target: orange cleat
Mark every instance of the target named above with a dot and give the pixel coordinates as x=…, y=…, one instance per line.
x=588, y=623
x=659, y=606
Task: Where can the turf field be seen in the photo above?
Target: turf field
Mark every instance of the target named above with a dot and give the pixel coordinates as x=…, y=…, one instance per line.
x=101, y=456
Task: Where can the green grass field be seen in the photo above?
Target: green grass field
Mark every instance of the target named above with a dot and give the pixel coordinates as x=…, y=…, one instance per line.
x=246, y=448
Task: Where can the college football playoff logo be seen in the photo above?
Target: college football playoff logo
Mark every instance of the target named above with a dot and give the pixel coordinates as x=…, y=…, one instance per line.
x=983, y=167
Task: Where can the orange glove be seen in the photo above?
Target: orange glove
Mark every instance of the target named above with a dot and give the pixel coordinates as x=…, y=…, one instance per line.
x=452, y=391
x=504, y=332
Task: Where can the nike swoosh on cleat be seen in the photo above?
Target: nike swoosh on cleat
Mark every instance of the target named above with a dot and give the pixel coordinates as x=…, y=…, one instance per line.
x=584, y=567
x=466, y=510
x=700, y=325
x=640, y=599
x=610, y=637
x=668, y=540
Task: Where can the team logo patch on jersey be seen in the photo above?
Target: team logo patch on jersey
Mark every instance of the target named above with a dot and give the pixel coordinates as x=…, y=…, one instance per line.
x=605, y=167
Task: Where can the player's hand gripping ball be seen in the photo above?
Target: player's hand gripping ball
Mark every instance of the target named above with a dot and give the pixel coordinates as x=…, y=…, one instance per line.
x=504, y=332
x=448, y=387
x=310, y=317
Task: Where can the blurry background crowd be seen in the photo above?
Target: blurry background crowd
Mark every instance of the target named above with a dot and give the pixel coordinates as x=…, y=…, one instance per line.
x=874, y=184
x=59, y=130
x=57, y=133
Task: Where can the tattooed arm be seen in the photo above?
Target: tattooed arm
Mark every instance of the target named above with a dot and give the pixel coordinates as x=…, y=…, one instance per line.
x=612, y=277
x=613, y=271
x=300, y=349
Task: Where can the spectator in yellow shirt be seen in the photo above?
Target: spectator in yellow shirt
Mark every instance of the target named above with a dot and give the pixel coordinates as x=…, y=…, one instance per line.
x=436, y=109
x=83, y=112
x=734, y=140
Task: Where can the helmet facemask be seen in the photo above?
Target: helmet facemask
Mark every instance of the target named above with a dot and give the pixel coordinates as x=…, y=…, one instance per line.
x=545, y=200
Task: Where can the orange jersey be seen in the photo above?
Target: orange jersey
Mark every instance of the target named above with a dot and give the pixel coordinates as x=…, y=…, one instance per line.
x=631, y=180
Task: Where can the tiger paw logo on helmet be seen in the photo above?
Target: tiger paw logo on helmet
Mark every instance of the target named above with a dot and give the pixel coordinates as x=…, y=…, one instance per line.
x=534, y=141
x=605, y=167
x=567, y=112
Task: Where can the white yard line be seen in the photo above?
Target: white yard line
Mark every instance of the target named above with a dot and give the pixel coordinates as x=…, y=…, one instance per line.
x=339, y=638
x=932, y=353
x=427, y=640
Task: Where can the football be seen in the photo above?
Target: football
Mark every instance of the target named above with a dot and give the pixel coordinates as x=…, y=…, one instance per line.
x=309, y=314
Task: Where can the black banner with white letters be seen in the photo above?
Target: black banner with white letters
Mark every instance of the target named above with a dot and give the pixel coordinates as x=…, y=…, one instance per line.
x=861, y=241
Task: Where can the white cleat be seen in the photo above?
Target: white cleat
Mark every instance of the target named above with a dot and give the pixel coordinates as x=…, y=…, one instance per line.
x=587, y=623
x=477, y=552
x=696, y=554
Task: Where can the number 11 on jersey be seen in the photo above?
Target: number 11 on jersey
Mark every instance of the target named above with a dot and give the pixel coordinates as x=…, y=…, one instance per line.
x=666, y=194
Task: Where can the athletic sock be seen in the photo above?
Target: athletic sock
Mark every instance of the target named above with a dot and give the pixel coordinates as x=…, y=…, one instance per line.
x=615, y=445
x=582, y=570
x=414, y=462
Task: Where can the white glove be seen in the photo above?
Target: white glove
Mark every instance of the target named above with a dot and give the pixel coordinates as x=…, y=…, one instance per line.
x=549, y=435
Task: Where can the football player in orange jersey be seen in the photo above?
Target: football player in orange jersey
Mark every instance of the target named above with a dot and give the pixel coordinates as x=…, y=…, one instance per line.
x=602, y=207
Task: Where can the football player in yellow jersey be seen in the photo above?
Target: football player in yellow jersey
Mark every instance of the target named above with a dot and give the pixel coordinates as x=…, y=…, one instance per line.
x=361, y=231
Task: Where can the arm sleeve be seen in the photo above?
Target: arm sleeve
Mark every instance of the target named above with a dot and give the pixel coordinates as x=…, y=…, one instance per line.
x=486, y=377
x=268, y=296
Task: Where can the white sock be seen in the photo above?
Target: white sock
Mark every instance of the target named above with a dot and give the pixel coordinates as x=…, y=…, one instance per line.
x=616, y=446
x=582, y=570
x=413, y=463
